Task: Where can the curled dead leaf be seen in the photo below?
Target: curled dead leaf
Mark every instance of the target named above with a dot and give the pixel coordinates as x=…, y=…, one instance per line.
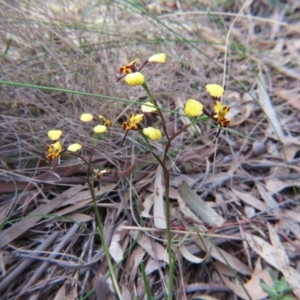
x=127, y=172
x=191, y=257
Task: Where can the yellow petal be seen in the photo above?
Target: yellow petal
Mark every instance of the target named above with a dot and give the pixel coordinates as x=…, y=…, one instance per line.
x=86, y=117
x=106, y=122
x=152, y=133
x=159, y=58
x=133, y=62
x=100, y=128
x=218, y=107
x=54, y=134
x=148, y=107
x=57, y=146
x=136, y=78
x=138, y=118
x=74, y=147
x=214, y=90
x=193, y=108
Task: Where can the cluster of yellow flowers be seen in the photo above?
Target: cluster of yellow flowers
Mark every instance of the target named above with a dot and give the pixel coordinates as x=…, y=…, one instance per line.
x=132, y=74
x=101, y=128
x=135, y=124
x=194, y=108
x=55, y=149
x=133, y=77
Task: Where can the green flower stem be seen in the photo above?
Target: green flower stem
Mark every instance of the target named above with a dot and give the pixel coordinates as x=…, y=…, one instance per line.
x=168, y=221
x=168, y=216
x=100, y=228
x=163, y=163
x=144, y=85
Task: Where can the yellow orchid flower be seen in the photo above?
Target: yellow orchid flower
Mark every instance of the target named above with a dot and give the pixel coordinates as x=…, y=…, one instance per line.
x=153, y=133
x=130, y=68
x=134, y=79
x=54, y=134
x=193, y=108
x=220, y=114
x=158, y=58
x=54, y=151
x=86, y=117
x=148, y=107
x=214, y=90
x=105, y=121
x=100, y=129
x=132, y=74
x=74, y=147
x=134, y=122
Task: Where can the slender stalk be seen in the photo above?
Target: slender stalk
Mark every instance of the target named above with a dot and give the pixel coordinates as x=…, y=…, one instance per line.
x=100, y=228
x=167, y=191
x=168, y=221
x=163, y=163
x=146, y=283
x=144, y=85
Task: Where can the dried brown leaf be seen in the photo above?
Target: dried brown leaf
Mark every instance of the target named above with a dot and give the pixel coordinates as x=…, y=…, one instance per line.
x=61, y=293
x=126, y=173
x=102, y=289
x=207, y=214
x=276, y=185
x=86, y=194
x=269, y=200
x=152, y=265
x=245, y=111
x=293, y=215
x=8, y=235
x=115, y=247
x=79, y=218
x=125, y=293
x=223, y=256
x=154, y=249
x=186, y=211
x=276, y=243
x=249, y=211
x=147, y=204
x=292, y=226
x=158, y=207
x=191, y=257
x=250, y=200
x=132, y=265
x=265, y=250
x=267, y=106
x=252, y=285
x=292, y=97
x=292, y=277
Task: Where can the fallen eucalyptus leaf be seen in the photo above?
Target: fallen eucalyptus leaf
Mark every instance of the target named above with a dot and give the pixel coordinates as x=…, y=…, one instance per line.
x=198, y=206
